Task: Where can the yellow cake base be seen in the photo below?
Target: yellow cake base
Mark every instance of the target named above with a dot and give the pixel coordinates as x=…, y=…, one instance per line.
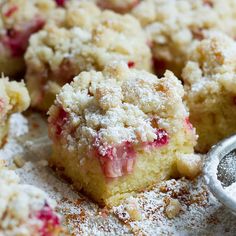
x=86, y=174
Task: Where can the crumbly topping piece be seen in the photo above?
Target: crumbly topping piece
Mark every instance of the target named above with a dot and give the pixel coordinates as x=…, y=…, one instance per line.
x=24, y=209
x=172, y=208
x=117, y=105
x=211, y=67
x=14, y=97
x=189, y=165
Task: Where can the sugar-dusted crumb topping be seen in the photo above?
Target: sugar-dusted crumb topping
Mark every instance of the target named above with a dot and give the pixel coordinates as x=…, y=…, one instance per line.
x=14, y=97
x=211, y=68
x=25, y=209
x=118, y=105
x=174, y=26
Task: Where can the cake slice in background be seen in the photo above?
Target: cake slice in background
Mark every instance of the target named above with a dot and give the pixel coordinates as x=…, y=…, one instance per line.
x=119, y=131
x=19, y=19
x=210, y=89
x=173, y=27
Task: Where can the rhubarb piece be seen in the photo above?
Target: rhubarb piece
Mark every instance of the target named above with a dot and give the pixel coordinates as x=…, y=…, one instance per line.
x=210, y=87
x=119, y=131
x=175, y=26
x=25, y=209
x=89, y=39
x=19, y=19
x=14, y=97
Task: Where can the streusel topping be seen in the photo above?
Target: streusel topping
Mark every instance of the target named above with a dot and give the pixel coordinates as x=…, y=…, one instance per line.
x=22, y=207
x=118, y=105
x=211, y=67
x=14, y=97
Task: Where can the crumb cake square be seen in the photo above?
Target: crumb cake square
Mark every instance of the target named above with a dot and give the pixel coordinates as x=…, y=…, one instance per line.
x=174, y=26
x=14, y=97
x=86, y=39
x=119, y=131
x=25, y=210
x=19, y=19
x=210, y=89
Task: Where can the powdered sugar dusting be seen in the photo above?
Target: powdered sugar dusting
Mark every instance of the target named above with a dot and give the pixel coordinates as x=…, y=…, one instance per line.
x=200, y=212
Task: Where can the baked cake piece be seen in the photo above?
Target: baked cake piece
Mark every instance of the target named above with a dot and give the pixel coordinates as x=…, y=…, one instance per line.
x=89, y=39
x=173, y=27
x=18, y=20
x=25, y=209
x=117, y=5
x=14, y=97
x=119, y=131
x=210, y=89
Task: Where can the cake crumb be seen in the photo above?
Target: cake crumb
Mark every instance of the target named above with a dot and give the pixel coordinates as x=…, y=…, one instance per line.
x=189, y=165
x=131, y=206
x=18, y=161
x=173, y=208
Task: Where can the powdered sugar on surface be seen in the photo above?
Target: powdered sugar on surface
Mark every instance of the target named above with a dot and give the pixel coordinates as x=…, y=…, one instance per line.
x=200, y=214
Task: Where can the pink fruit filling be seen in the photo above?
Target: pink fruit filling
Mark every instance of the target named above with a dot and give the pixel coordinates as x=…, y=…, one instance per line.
x=60, y=3
x=116, y=160
x=49, y=219
x=131, y=64
x=11, y=11
x=119, y=160
x=161, y=140
x=17, y=40
x=57, y=123
x=188, y=123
